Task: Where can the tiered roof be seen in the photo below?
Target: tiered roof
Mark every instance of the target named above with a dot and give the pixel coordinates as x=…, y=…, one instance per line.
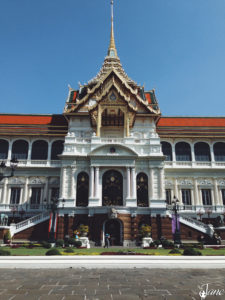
x=50, y=125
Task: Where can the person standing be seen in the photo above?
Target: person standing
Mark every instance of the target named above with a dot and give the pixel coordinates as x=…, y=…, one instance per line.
x=107, y=242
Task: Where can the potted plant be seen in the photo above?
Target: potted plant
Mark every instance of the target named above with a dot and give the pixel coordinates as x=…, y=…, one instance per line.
x=83, y=230
x=145, y=230
x=7, y=237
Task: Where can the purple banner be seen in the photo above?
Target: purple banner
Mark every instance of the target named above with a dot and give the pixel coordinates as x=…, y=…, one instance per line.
x=174, y=223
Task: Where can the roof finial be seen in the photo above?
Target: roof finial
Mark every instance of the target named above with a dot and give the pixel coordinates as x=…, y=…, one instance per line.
x=112, y=47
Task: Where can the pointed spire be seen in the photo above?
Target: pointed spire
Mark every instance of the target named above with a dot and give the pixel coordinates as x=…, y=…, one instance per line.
x=112, y=46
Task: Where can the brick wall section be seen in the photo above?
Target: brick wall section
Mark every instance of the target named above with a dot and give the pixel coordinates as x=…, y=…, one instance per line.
x=35, y=233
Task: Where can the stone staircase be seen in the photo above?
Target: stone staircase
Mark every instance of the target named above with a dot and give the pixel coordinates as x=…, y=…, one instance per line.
x=195, y=224
x=15, y=228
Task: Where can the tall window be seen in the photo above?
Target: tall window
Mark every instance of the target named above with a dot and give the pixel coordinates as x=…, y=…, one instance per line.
x=82, y=189
x=167, y=150
x=219, y=151
x=206, y=197
x=168, y=196
x=223, y=196
x=202, y=152
x=57, y=148
x=20, y=149
x=183, y=151
x=186, y=197
x=15, y=195
x=142, y=190
x=4, y=146
x=39, y=150
x=35, y=196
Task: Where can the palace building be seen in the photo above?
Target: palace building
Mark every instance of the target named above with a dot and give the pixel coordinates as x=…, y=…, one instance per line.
x=114, y=163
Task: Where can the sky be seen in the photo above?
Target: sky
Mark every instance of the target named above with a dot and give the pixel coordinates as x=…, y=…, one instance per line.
x=174, y=46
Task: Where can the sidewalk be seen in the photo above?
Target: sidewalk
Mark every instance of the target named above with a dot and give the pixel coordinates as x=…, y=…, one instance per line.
x=112, y=262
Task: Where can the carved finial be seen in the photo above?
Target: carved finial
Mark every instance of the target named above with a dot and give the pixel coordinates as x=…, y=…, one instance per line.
x=69, y=86
x=112, y=46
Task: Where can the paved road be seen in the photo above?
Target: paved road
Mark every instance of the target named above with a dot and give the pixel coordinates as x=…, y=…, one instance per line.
x=108, y=284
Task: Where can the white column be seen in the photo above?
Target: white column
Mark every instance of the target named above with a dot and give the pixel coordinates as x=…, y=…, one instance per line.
x=175, y=188
x=49, y=152
x=161, y=184
x=61, y=184
x=212, y=153
x=73, y=185
x=29, y=151
x=151, y=183
x=25, y=191
x=196, y=198
x=128, y=182
x=192, y=153
x=96, y=182
x=4, y=196
x=10, y=150
x=134, y=185
x=91, y=183
x=64, y=183
x=173, y=153
x=216, y=194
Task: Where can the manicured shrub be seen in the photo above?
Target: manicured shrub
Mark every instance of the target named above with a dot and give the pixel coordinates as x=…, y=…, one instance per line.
x=4, y=252
x=157, y=243
x=53, y=251
x=77, y=244
x=174, y=251
x=191, y=251
x=68, y=250
x=167, y=244
x=59, y=243
x=71, y=241
x=46, y=245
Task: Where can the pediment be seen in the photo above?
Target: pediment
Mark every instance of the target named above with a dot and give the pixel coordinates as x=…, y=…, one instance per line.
x=112, y=151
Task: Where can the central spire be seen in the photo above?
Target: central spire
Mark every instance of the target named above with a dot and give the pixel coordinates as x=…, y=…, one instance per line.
x=112, y=46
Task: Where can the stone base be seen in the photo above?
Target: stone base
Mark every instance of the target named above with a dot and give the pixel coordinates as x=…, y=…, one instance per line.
x=146, y=241
x=85, y=242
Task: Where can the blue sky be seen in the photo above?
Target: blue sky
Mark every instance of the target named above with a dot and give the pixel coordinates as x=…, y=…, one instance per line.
x=174, y=46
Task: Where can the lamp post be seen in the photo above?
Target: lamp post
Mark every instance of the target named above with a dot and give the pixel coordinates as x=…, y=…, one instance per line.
x=175, y=209
x=208, y=211
x=54, y=207
x=13, y=165
x=200, y=213
x=14, y=210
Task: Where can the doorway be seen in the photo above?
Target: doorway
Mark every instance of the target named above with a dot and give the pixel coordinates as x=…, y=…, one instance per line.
x=115, y=229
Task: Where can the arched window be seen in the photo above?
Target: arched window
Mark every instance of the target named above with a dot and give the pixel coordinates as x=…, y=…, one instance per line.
x=142, y=190
x=112, y=188
x=20, y=149
x=183, y=151
x=82, y=189
x=202, y=152
x=167, y=151
x=57, y=148
x=39, y=150
x=4, y=147
x=219, y=151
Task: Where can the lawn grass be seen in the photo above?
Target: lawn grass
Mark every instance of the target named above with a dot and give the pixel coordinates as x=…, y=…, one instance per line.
x=39, y=251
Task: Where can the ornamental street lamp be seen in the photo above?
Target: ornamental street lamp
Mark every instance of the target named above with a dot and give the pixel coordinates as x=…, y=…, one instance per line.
x=13, y=165
x=14, y=211
x=200, y=213
x=54, y=207
x=175, y=209
x=208, y=211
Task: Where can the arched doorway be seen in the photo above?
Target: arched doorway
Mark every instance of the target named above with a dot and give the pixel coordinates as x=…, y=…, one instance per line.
x=112, y=188
x=115, y=229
